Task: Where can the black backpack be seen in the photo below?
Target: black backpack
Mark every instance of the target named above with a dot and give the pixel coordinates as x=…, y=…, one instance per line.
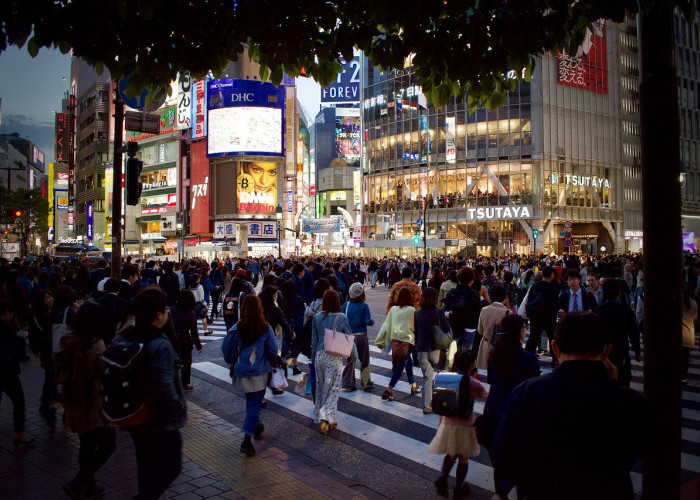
x=535, y=306
x=124, y=394
x=231, y=308
x=304, y=338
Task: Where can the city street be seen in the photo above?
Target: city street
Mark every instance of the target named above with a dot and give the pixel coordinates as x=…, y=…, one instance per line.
x=379, y=449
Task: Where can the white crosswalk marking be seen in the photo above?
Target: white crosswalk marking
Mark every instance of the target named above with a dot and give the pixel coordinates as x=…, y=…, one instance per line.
x=386, y=437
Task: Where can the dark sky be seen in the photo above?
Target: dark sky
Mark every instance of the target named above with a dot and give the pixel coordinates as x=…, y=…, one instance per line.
x=31, y=89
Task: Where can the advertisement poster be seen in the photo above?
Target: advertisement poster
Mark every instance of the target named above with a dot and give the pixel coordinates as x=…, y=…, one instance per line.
x=346, y=87
x=331, y=225
x=347, y=138
x=588, y=68
x=450, y=145
x=256, y=187
x=245, y=117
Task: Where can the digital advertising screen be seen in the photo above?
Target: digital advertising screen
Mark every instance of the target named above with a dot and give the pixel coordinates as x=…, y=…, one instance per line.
x=256, y=187
x=245, y=117
x=347, y=138
x=245, y=130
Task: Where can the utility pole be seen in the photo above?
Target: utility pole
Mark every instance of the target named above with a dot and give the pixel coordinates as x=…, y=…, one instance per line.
x=117, y=188
x=658, y=110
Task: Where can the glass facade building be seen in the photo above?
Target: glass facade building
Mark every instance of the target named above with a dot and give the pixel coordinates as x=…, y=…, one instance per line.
x=550, y=159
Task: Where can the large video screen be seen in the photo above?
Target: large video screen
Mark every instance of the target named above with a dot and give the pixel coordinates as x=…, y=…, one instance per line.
x=256, y=187
x=245, y=130
x=347, y=138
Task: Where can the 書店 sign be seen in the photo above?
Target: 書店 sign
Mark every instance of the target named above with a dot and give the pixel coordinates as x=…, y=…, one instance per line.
x=509, y=212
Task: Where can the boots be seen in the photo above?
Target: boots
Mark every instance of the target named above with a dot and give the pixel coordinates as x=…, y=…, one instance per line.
x=247, y=446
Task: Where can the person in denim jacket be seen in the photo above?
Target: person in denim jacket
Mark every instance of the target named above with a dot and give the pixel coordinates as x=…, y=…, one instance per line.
x=248, y=349
x=158, y=442
x=359, y=318
x=329, y=368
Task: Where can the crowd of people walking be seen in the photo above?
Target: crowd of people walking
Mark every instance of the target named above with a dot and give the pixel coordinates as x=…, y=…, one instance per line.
x=494, y=312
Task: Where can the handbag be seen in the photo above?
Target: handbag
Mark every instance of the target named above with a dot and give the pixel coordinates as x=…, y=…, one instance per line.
x=441, y=338
x=399, y=350
x=200, y=309
x=337, y=343
x=301, y=385
x=277, y=379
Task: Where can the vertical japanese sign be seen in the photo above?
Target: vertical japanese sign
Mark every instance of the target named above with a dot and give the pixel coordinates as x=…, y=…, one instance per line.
x=89, y=220
x=356, y=189
x=184, y=101
x=61, y=139
x=199, y=109
x=71, y=148
x=52, y=230
x=588, y=68
x=450, y=145
x=109, y=200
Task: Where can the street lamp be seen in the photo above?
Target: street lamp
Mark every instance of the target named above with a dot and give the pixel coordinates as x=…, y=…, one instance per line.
x=278, y=215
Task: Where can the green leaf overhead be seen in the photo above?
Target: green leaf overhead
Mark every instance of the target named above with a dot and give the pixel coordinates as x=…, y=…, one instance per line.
x=457, y=45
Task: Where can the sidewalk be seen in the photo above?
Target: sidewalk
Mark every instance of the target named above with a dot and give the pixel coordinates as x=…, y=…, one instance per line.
x=212, y=465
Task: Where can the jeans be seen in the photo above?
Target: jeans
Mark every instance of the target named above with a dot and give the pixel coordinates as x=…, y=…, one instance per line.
x=253, y=405
x=159, y=460
x=215, y=296
x=373, y=278
x=427, y=360
x=96, y=446
x=399, y=367
x=312, y=378
x=186, y=357
x=12, y=386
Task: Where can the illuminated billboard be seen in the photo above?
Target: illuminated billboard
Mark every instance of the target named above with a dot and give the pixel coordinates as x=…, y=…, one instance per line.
x=256, y=187
x=245, y=117
x=588, y=68
x=347, y=138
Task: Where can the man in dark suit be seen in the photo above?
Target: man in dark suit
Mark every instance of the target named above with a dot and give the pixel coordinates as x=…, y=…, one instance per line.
x=169, y=283
x=541, y=308
x=574, y=298
x=423, y=269
x=577, y=407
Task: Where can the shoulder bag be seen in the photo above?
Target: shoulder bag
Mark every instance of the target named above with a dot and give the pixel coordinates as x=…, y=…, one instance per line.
x=337, y=343
x=441, y=339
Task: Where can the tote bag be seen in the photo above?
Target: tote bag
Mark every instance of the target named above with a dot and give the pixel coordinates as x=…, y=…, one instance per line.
x=337, y=343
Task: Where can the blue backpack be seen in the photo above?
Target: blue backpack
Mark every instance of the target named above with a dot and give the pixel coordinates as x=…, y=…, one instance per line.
x=445, y=400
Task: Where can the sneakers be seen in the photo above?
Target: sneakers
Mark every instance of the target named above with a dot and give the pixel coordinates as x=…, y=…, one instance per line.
x=259, y=429
x=369, y=386
x=247, y=447
x=188, y=388
x=277, y=392
x=388, y=396
x=349, y=389
x=296, y=370
x=415, y=389
x=441, y=486
x=427, y=410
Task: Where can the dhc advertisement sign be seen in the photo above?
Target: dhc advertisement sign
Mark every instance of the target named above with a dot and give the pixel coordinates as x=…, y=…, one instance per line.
x=245, y=117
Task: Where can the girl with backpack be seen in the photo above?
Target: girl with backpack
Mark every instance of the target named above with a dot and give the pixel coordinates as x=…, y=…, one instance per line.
x=455, y=436
x=185, y=323
x=79, y=369
x=200, y=300
x=231, y=307
x=251, y=346
x=359, y=316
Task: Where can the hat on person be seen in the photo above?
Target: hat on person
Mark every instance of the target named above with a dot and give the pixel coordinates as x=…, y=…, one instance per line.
x=240, y=273
x=356, y=290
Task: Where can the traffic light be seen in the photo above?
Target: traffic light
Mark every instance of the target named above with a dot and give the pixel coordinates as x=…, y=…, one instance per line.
x=535, y=234
x=416, y=236
x=133, y=175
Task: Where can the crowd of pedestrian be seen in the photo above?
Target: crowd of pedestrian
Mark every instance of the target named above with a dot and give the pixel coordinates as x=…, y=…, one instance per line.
x=496, y=310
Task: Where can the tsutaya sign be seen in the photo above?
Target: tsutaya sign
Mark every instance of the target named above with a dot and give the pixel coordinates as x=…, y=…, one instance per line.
x=508, y=212
x=583, y=180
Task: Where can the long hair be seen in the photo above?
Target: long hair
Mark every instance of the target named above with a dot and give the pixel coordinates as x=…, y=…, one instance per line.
x=428, y=299
x=405, y=297
x=331, y=302
x=252, y=324
x=88, y=323
x=507, y=344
